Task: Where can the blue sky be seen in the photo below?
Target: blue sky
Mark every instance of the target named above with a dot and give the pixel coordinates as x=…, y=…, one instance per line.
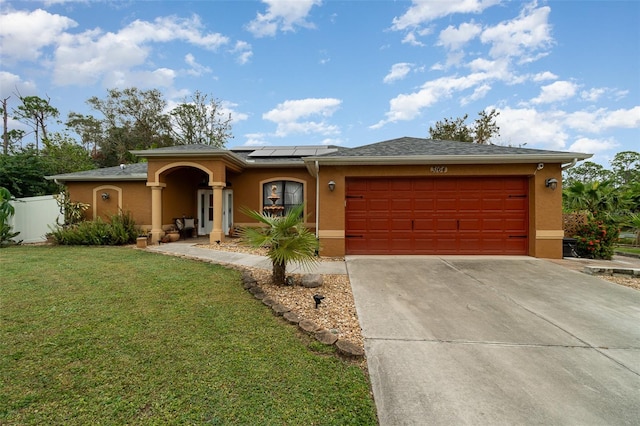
x=565, y=75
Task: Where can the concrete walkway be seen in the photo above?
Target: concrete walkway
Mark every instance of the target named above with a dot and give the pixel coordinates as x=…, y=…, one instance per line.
x=189, y=248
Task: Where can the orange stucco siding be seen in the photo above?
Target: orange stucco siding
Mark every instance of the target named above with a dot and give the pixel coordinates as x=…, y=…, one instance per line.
x=132, y=197
x=247, y=190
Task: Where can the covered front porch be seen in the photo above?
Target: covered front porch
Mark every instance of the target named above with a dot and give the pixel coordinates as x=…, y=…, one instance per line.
x=185, y=187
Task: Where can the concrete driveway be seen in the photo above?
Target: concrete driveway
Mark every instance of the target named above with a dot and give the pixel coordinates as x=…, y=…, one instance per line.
x=496, y=340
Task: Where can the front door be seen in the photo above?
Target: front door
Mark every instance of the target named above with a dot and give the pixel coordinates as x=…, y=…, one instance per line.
x=205, y=211
x=227, y=211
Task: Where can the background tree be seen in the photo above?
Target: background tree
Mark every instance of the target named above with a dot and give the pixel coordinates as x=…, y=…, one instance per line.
x=625, y=167
x=23, y=172
x=586, y=172
x=199, y=120
x=64, y=155
x=483, y=129
x=36, y=112
x=451, y=129
x=88, y=128
x=132, y=119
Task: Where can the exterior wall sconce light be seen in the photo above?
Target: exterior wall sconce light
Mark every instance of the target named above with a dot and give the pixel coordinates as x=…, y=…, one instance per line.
x=332, y=185
x=551, y=183
x=105, y=196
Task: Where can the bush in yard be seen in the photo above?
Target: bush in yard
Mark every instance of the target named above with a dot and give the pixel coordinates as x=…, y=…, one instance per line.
x=596, y=240
x=118, y=230
x=6, y=211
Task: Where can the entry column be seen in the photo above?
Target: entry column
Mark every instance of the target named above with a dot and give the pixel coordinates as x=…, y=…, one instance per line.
x=156, y=212
x=216, y=233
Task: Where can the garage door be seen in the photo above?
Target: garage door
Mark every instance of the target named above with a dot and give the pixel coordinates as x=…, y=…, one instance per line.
x=437, y=216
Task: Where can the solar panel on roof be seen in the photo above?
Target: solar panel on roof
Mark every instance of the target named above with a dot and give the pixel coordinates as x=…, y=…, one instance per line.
x=305, y=151
x=262, y=153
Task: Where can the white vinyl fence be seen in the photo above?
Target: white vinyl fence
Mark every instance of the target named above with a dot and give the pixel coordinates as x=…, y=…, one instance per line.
x=34, y=216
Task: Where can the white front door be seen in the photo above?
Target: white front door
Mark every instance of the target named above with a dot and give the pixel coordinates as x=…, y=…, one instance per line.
x=205, y=211
x=227, y=211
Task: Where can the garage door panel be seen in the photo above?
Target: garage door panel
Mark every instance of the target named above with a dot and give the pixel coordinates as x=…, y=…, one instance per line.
x=444, y=205
x=438, y=215
x=402, y=205
x=401, y=224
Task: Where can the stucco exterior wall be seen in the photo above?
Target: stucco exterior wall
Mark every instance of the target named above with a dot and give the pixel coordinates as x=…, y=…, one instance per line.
x=545, y=209
x=247, y=191
x=134, y=197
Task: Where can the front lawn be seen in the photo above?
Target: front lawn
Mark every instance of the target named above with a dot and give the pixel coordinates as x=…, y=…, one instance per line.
x=628, y=249
x=112, y=335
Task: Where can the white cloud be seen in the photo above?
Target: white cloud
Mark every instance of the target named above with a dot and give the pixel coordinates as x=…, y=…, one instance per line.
x=537, y=129
x=282, y=15
x=422, y=12
x=161, y=77
x=405, y=107
x=24, y=34
x=83, y=59
x=521, y=36
x=196, y=69
x=411, y=39
x=622, y=118
x=11, y=83
x=594, y=94
x=243, y=50
x=478, y=93
x=593, y=146
x=543, y=76
x=454, y=38
x=556, y=92
x=293, y=116
x=227, y=107
x=255, y=139
x=398, y=72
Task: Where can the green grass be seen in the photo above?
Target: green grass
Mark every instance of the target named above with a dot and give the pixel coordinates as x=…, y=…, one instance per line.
x=112, y=335
x=632, y=250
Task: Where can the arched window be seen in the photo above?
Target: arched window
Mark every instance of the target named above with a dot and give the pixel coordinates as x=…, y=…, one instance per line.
x=290, y=193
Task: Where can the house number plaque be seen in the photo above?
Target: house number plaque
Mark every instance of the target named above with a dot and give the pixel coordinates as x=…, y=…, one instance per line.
x=438, y=169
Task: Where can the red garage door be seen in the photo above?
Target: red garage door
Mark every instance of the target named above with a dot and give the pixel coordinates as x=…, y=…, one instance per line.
x=437, y=216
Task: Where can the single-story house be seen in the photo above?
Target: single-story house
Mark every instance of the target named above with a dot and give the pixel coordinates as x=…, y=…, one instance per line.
x=401, y=196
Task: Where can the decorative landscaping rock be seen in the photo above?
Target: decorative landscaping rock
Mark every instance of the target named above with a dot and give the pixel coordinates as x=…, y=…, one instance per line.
x=279, y=309
x=255, y=289
x=347, y=348
x=291, y=317
x=249, y=285
x=311, y=280
x=269, y=301
x=308, y=326
x=326, y=337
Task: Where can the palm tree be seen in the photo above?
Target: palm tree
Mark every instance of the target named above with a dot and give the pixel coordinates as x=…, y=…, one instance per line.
x=600, y=199
x=286, y=239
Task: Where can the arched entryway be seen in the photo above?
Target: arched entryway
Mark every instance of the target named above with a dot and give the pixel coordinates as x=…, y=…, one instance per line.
x=189, y=189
